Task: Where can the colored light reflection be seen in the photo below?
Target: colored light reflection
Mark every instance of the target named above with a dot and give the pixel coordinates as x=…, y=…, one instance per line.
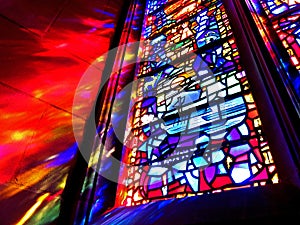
x=37, y=144
x=32, y=210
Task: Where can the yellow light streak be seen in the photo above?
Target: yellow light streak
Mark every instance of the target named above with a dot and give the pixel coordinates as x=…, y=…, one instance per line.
x=30, y=212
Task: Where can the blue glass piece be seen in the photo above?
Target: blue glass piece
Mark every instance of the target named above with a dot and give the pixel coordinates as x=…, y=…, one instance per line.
x=178, y=175
x=180, y=166
x=144, y=147
x=202, y=139
x=148, y=101
x=154, y=182
x=234, y=135
x=221, y=169
x=244, y=129
x=157, y=171
x=217, y=156
x=192, y=181
x=240, y=172
x=170, y=177
x=252, y=159
x=200, y=161
x=239, y=150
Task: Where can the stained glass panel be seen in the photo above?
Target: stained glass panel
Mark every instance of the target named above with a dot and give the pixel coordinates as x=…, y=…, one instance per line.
x=281, y=18
x=286, y=25
x=193, y=127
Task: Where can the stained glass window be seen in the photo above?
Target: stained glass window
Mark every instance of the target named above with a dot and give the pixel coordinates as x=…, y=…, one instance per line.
x=279, y=19
x=193, y=127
